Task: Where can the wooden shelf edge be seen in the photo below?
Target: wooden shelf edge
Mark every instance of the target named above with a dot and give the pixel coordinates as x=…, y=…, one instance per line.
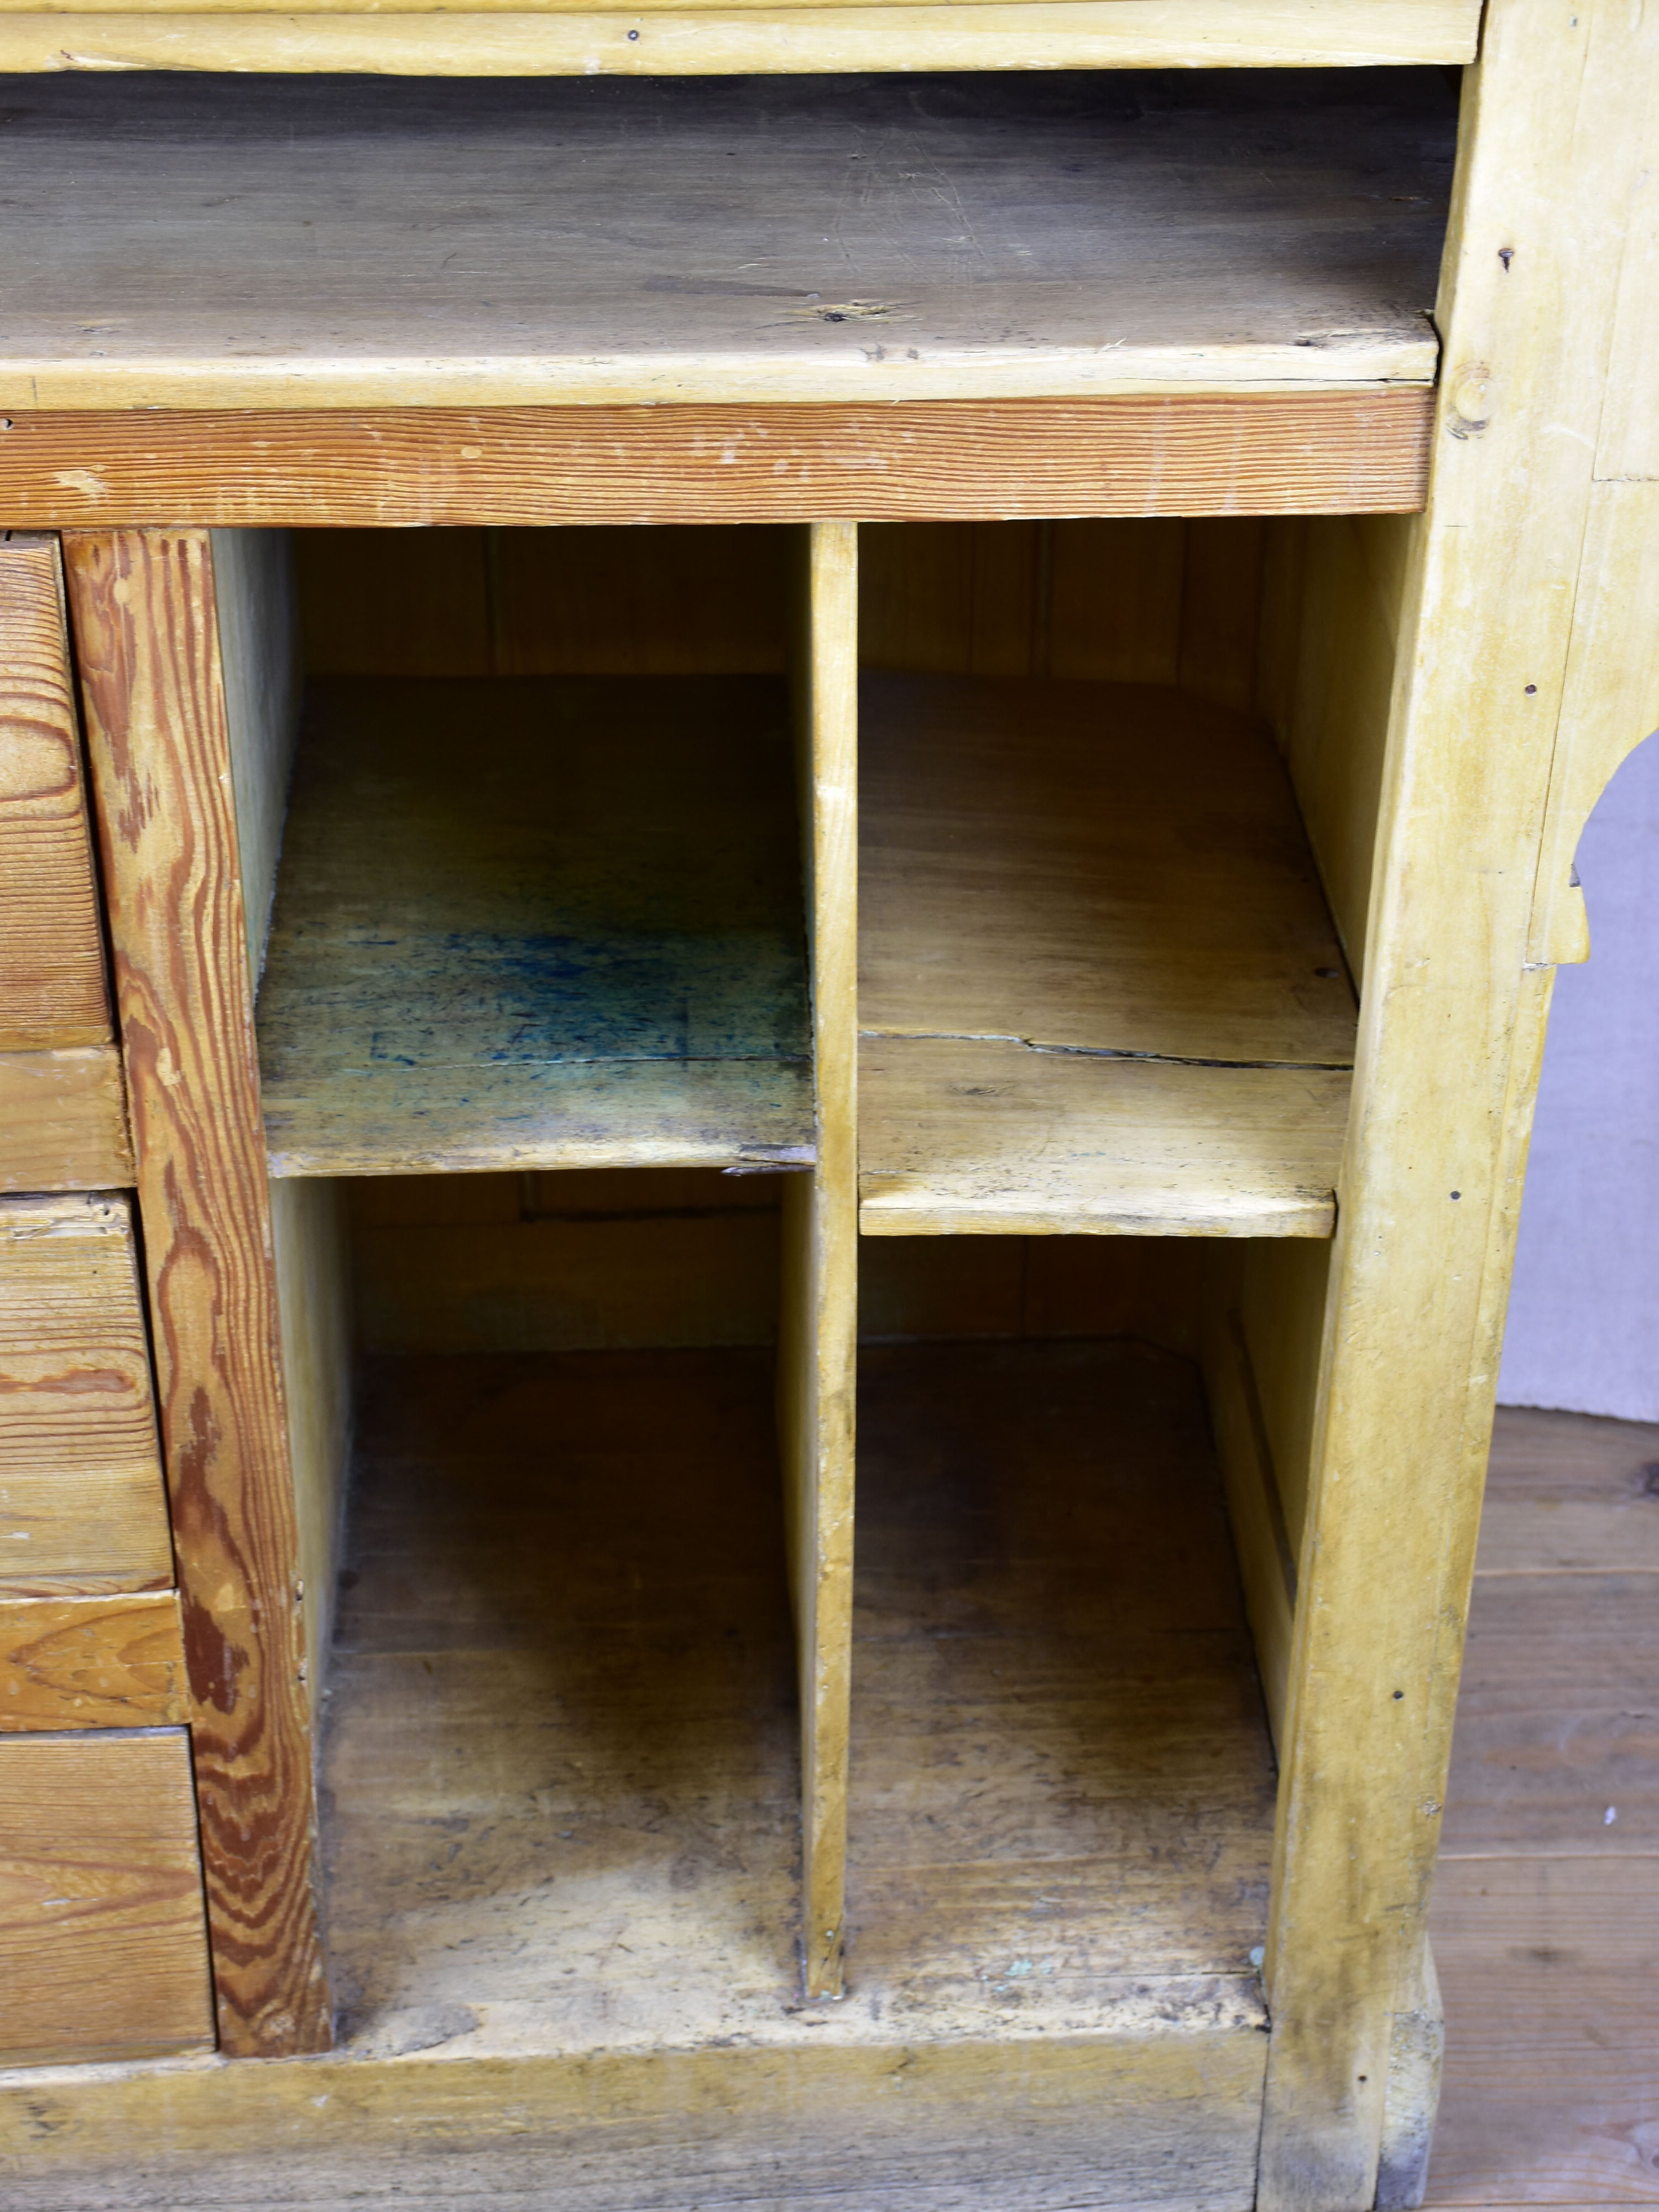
x=886, y=1213
x=767, y=39
x=303, y=1163
x=1195, y=454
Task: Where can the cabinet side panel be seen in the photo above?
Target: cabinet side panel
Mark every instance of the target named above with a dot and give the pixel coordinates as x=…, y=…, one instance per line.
x=142, y=609
x=1451, y=1027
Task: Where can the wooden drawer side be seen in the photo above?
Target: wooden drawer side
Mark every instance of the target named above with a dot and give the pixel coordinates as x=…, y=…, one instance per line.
x=103, y=1946
x=83, y=1508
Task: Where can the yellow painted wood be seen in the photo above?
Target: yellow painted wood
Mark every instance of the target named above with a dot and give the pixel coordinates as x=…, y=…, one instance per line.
x=750, y=36
x=1119, y=246
x=1451, y=1028
x=818, y=1329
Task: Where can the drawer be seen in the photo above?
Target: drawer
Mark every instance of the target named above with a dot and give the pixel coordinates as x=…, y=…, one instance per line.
x=82, y=1506
x=62, y=1119
x=103, y=1945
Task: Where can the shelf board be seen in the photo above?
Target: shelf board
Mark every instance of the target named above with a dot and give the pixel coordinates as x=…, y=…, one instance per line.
x=562, y=1761
x=297, y=242
x=1099, y=987
x=538, y=923
x=492, y=37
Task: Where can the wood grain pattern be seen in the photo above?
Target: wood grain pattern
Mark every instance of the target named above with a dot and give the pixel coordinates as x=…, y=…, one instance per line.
x=1450, y=1036
x=1196, y=453
x=102, y=1950
x=963, y=1138
x=63, y=1120
x=1071, y=35
x=1170, y=2118
x=751, y=238
x=91, y=1662
x=538, y=923
x=1553, y=2049
x=52, y=955
x=1099, y=988
x=818, y=1334
x=142, y=612
x=82, y=1503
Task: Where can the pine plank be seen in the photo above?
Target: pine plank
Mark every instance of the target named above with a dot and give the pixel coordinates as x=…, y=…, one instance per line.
x=63, y=1120
x=748, y=37
x=818, y=1325
x=154, y=701
x=1099, y=988
x=102, y=1952
x=80, y=1494
x=1134, y=455
x=53, y=991
x=91, y=1662
x=538, y=923
x=1568, y=1494
x=761, y=238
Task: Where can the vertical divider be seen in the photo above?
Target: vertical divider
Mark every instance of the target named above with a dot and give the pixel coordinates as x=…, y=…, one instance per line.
x=818, y=1331
x=147, y=648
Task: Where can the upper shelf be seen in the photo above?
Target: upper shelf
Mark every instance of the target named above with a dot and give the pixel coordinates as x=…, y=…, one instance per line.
x=538, y=923
x=1098, y=988
x=665, y=38
x=232, y=243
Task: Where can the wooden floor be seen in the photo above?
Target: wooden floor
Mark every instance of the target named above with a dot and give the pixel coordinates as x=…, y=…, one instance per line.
x=1547, y=1908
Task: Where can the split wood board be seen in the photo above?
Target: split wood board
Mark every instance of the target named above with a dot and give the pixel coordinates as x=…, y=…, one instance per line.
x=280, y=243
x=1100, y=988
x=82, y=1509
x=749, y=35
x=538, y=923
x=1191, y=453
x=103, y=1953
x=52, y=992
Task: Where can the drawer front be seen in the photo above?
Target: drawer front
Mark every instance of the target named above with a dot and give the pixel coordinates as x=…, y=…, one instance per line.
x=82, y=1505
x=63, y=1121
x=103, y=1945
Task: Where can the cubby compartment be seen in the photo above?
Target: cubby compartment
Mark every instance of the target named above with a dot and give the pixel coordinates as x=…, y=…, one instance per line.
x=561, y=1749
x=1100, y=986
x=649, y=1726
x=530, y=914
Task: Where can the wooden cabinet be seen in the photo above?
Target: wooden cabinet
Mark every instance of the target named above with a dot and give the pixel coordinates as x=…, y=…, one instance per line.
x=828, y=1089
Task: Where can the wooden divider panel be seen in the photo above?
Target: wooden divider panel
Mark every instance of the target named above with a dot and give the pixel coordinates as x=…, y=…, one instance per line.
x=82, y=1509
x=147, y=638
x=63, y=1119
x=101, y=1947
x=819, y=1326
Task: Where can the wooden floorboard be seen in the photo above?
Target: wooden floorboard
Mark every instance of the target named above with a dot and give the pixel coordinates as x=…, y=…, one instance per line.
x=1547, y=1914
